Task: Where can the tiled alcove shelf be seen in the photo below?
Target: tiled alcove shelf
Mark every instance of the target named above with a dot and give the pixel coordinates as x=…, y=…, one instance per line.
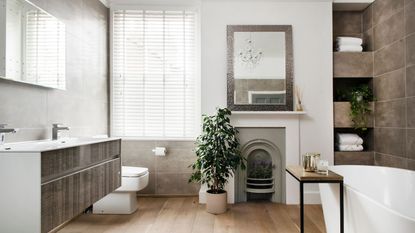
x=351, y=69
x=353, y=64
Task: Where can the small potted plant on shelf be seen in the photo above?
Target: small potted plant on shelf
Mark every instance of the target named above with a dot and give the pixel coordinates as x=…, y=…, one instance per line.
x=360, y=98
x=218, y=157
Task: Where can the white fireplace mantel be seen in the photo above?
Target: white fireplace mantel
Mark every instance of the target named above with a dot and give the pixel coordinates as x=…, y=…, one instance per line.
x=290, y=120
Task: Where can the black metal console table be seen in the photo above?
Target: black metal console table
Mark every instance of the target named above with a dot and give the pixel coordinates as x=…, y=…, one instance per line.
x=311, y=177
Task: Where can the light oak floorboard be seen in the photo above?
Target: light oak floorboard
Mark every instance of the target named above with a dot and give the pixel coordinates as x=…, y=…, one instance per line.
x=186, y=215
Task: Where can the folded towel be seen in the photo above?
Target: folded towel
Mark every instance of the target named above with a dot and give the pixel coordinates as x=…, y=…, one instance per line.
x=348, y=139
x=344, y=40
x=350, y=147
x=349, y=48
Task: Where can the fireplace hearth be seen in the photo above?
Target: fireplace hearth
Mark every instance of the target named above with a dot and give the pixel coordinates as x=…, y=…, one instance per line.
x=263, y=179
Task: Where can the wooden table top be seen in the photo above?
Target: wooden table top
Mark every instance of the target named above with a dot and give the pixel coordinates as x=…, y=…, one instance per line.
x=301, y=175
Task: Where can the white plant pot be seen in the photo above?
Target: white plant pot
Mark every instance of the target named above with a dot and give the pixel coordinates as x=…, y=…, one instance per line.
x=216, y=203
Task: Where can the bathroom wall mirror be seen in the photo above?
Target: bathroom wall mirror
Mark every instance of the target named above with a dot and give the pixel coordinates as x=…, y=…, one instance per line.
x=32, y=45
x=260, y=63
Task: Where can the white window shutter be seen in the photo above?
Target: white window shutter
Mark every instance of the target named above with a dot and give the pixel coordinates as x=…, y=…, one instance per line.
x=154, y=74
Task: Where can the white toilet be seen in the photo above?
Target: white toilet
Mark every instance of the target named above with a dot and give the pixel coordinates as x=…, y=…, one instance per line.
x=124, y=199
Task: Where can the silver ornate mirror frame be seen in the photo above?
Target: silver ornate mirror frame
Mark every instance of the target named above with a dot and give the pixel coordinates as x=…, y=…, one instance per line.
x=287, y=29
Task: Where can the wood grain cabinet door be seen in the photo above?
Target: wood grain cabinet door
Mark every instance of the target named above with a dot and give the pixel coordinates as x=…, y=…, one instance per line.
x=65, y=198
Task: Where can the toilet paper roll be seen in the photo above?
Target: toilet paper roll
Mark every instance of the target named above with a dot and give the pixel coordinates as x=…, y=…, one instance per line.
x=160, y=151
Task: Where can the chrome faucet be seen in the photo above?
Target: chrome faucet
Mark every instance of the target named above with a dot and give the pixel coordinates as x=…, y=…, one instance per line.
x=55, y=130
x=3, y=131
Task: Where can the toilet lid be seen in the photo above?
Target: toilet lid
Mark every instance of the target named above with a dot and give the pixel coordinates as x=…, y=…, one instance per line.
x=133, y=171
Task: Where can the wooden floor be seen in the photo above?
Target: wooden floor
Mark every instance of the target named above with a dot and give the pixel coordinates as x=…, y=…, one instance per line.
x=185, y=215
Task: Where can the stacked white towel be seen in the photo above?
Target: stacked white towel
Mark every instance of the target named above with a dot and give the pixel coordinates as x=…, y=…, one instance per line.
x=349, y=44
x=349, y=142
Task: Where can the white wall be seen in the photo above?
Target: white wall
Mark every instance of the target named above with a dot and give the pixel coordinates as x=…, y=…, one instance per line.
x=312, y=37
x=312, y=46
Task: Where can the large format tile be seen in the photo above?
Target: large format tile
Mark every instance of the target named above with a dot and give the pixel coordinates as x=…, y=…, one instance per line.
x=389, y=58
x=82, y=107
x=390, y=141
x=175, y=184
x=354, y=158
x=390, y=85
x=367, y=18
x=151, y=187
x=342, y=117
x=349, y=64
x=411, y=164
x=410, y=143
x=383, y=9
x=138, y=158
x=410, y=18
x=390, y=161
x=410, y=50
x=347, y=23
x=410, y=111
x=176, y=160
x=190, y=145
x=389, y=30
x=22, y=105
x=368, y=40
x=410, y=81
x=390, y=113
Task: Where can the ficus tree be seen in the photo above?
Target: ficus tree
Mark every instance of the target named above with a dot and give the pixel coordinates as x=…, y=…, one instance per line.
x=217, y=151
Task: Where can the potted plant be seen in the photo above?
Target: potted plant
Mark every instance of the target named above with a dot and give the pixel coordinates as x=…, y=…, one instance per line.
x=360, y=98
x=218, y=157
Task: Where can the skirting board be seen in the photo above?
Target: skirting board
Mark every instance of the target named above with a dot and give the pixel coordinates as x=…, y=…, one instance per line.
x=310, y=197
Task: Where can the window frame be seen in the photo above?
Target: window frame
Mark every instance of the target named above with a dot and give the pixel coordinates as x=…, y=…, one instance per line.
x=198, y=98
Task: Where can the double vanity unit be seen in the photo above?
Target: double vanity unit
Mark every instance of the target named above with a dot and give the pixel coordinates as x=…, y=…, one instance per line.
x=47, y=183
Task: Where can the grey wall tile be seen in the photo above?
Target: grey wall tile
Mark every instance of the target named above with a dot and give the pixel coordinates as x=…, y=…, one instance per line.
x=410, y=17
x=168, y=174
x=367, y=18
x=175, y=184
x=368, y=40
x=410, y=111
x=410, y=81
x=390, y=85
x=411, y=164
x=151, y=187
x=353, y=64
x=138, y=158
x=176, y=160
x=84, y=104
x=410, y=143
x=410, y=50
x=389, y=30
x=22, y=105
x=389, y=58
x=390, y=113
x=383, y=9
x=176, y=144
x=347, y=23
x=390, y=141
x=390, y=161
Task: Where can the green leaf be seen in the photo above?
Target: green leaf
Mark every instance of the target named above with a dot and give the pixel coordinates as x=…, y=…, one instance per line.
x=217, y=151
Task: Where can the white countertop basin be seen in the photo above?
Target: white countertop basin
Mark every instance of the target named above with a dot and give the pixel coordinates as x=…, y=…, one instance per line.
x=47, y=145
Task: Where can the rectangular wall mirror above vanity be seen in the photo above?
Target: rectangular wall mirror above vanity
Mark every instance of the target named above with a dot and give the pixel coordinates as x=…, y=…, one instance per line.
x=47, y=183
x=260, y=61
x=32, y=45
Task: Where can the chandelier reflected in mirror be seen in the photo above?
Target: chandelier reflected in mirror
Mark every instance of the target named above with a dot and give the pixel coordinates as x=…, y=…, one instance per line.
x=249, y=56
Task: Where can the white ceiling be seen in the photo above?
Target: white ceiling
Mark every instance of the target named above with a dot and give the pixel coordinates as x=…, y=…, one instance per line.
x=338, y=3
x=109, y=3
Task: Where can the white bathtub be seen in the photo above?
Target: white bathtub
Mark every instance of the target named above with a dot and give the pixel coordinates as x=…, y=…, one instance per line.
x=376, y=200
